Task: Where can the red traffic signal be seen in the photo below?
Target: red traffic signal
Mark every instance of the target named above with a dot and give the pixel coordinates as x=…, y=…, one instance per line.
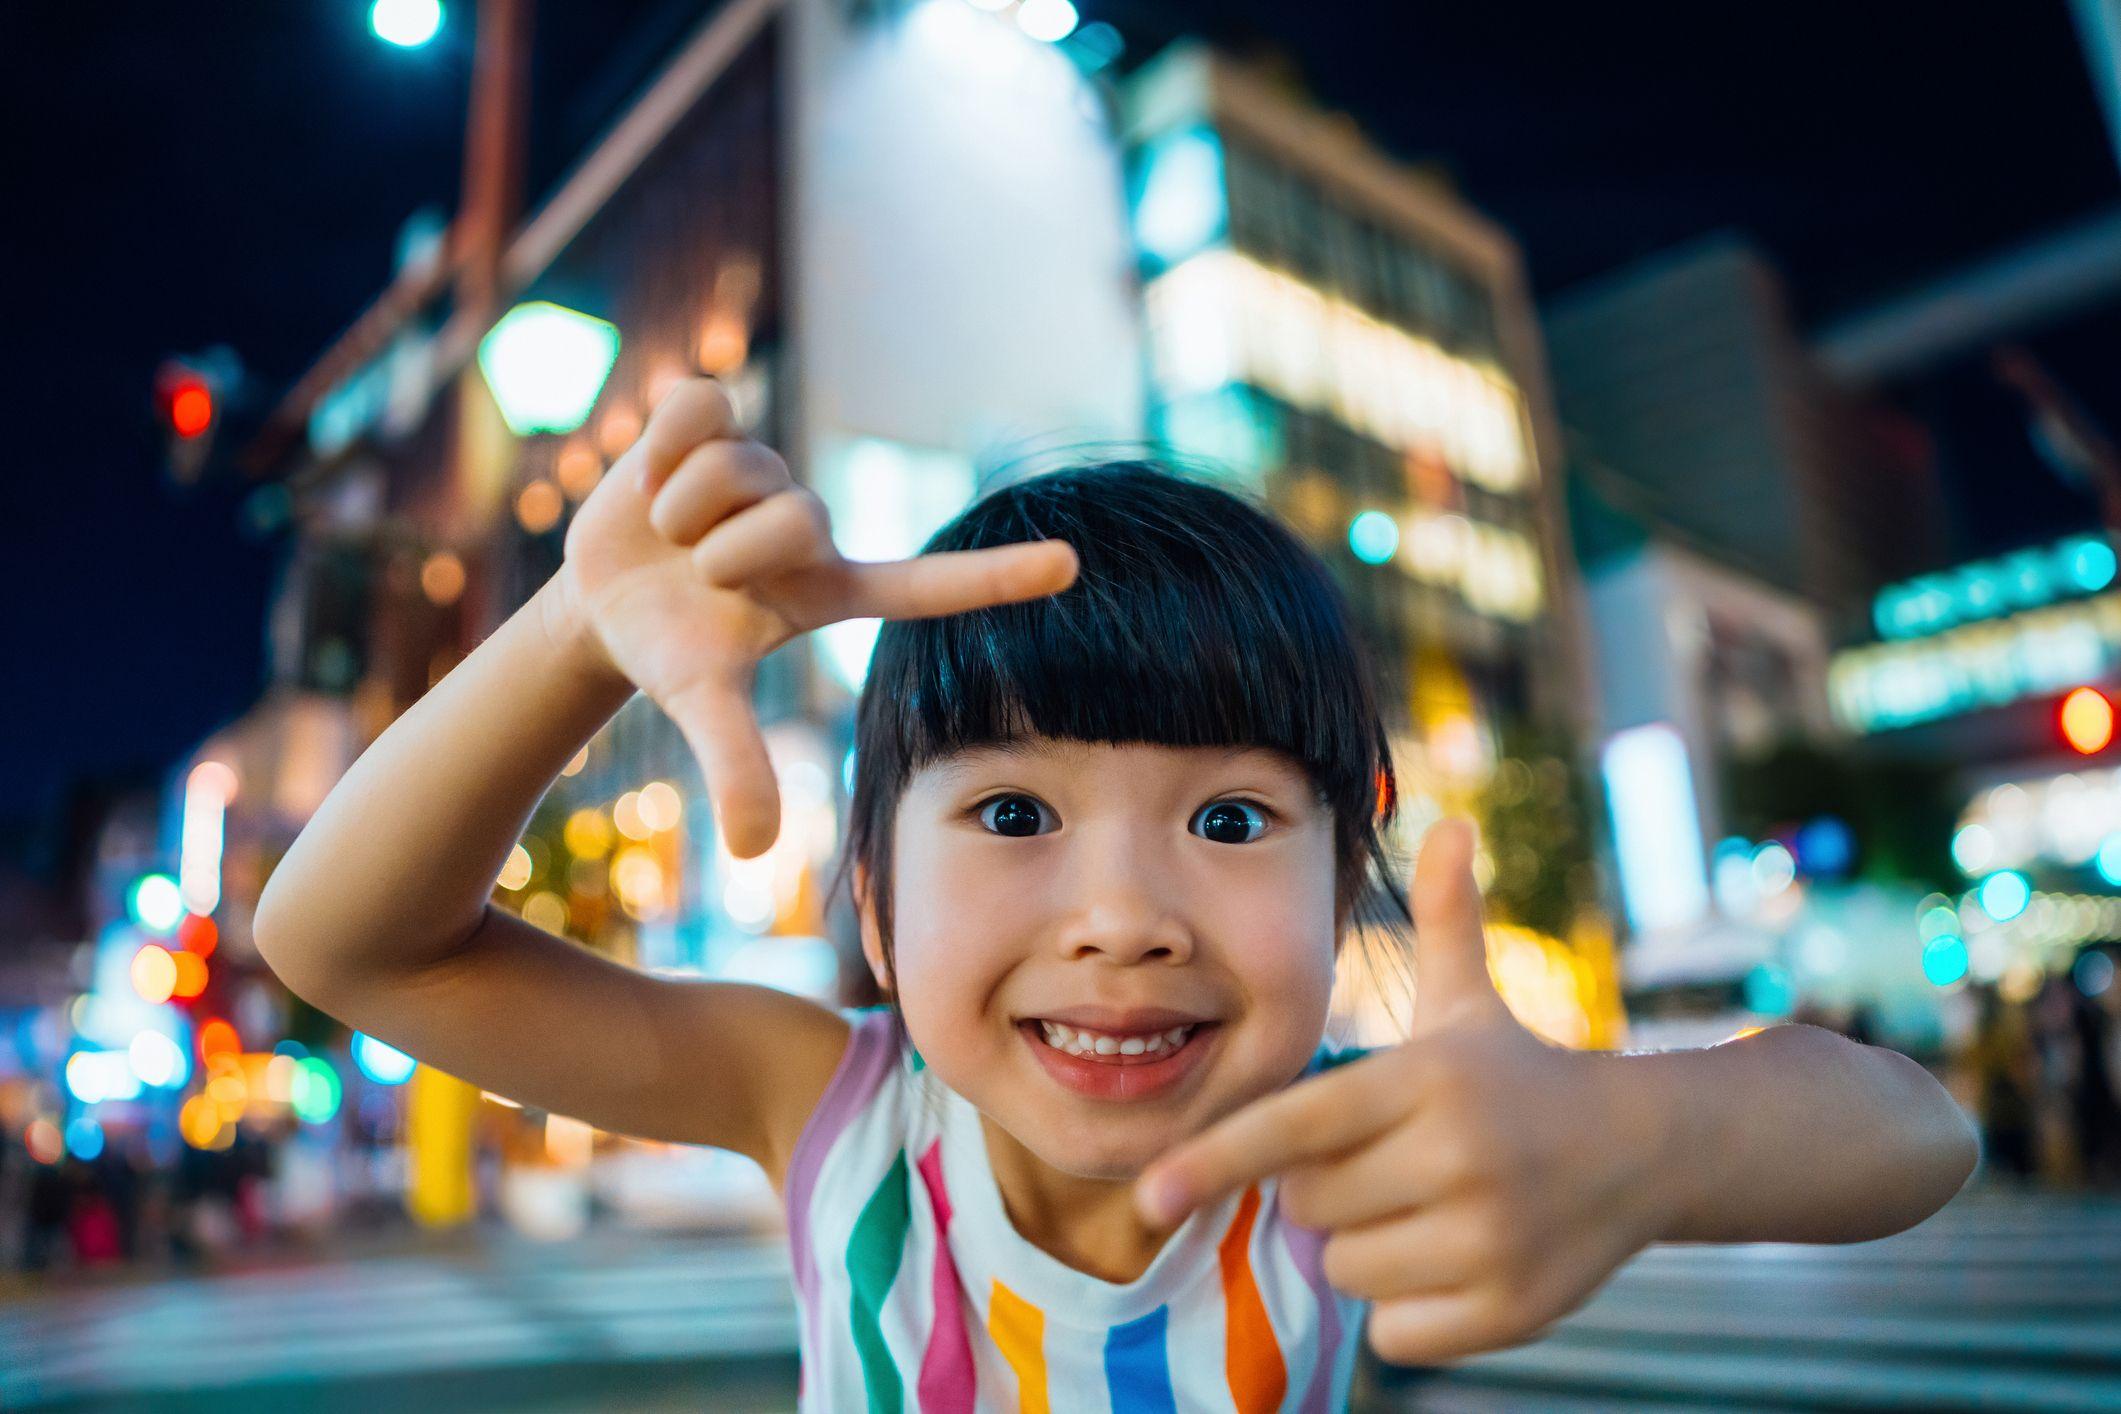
x=186, y=399
x=191, y=408
x=193, y=393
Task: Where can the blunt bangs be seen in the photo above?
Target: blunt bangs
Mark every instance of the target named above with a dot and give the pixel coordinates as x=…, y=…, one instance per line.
x=1197, y=620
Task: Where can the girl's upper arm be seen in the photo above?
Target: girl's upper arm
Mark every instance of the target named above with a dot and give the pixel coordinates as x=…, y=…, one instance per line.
x=548, y=1023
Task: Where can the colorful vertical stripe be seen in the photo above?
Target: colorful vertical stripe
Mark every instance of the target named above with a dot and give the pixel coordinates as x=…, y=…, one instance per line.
x=1251, y=1355
x=1019, y=1332
x=873, y=1255
x=1307, y=1249
x=1137, y=1369
x=861, y=1073
x=947, y=1382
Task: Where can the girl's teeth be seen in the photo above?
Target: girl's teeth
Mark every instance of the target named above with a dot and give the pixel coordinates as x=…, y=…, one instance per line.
x=1079, y=1043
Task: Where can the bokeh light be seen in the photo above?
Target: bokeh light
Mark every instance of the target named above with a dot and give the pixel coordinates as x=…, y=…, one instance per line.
x=156, y=903
x=539, y=506
x=380, y=1061
x=516, y=872
x=626, y=817
x=660, y=807
x=84, y=1137
x=408, y=24
x=157, y=1060
x=154, y=974
x=2087, y=721
x=1049, y=20
x=191, y=976
x=316, y=1090
x=587, y=834
x=1944, y=959
x=198, y=935
x=218, y=1038
x=2004, y=894
x=1373, y=536
x=442, y=578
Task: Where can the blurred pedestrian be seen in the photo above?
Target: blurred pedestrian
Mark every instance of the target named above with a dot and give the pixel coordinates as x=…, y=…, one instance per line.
x=2093, y=1108
x=2003, y=1080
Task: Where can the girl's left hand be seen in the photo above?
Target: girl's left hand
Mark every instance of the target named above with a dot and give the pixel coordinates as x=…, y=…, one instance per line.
x=1476, y=1183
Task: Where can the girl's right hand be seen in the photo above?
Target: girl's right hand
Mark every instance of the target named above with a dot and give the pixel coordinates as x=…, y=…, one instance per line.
x=697, y=555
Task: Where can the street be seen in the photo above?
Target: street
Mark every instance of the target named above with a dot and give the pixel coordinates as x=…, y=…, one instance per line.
x=1999, y=1302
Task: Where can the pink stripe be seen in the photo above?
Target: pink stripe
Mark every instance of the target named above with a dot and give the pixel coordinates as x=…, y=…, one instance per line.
x=861, y=1070
x=1307, y=1247
x=947, y=1384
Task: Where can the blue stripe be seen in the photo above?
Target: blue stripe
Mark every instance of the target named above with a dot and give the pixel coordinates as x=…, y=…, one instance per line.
x=1135, y=1370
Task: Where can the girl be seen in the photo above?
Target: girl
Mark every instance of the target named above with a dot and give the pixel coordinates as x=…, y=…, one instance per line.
x=1120, y=786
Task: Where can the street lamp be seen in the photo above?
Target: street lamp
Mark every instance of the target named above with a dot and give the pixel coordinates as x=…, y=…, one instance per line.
x=405, y=23
x=546, y=364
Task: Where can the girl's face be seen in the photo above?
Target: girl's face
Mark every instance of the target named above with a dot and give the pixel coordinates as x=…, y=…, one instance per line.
x=1102, y=883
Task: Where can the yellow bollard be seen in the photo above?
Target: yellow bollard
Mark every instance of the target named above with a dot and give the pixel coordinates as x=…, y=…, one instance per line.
x=439, y=1109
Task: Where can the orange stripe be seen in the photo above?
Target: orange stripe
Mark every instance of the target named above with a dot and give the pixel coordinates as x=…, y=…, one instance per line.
x=1019, y=1331
x=1251, y=1355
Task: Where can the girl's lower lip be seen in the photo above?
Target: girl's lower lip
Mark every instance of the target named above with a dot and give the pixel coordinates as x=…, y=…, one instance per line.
x=1139, y=1078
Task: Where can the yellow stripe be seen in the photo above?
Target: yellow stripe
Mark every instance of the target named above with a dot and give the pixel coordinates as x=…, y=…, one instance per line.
x=1019, y=1331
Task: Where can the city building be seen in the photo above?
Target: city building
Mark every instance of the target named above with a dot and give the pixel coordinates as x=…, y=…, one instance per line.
x=1353, y=342
x=1736, y=506
x=1693, y=401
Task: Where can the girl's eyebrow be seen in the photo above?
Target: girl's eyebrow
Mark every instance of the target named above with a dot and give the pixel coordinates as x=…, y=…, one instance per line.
x=970, y=759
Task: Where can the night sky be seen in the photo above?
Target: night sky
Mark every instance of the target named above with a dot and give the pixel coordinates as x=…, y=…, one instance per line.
x=235, y=173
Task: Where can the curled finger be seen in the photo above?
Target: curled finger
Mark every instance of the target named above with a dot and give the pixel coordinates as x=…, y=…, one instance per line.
x=783, y=532
x=713, y=483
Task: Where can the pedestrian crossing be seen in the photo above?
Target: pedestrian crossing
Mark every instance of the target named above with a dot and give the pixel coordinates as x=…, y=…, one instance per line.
x=1999, y=1302
x=622, y=1298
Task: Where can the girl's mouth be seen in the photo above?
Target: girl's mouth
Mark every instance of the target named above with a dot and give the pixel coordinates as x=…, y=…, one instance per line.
x=1116, y=1066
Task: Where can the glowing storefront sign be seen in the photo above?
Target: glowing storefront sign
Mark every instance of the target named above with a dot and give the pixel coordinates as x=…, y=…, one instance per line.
x=1987, y=589
x=1222, y=317
x=1884, y=685
x=1656, y=827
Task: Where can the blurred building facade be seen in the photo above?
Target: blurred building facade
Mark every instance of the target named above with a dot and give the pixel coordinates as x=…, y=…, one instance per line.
x=1694, y=401
x=1735, y=506
x=1357, y=346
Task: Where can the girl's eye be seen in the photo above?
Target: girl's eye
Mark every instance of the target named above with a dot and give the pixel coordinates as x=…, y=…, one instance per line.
x=1226, y=821
x=1014, y=815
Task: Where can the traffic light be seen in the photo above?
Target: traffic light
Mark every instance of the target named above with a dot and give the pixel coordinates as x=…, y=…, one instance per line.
x=191, y=397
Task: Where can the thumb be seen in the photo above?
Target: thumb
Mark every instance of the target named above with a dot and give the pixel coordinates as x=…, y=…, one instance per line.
x=715, y=716
x=1450, y=947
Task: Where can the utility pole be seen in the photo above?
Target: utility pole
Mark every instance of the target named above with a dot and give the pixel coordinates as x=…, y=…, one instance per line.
x=441, y=1109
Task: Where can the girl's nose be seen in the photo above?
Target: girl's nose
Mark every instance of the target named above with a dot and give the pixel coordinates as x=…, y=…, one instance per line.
x=1119, y=909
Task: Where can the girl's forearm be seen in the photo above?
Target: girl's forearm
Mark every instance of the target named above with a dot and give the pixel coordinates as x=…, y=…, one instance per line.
x=395, y=868
x=1800, y=1135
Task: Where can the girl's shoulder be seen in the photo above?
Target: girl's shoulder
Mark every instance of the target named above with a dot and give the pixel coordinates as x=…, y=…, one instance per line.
x=877, y=1069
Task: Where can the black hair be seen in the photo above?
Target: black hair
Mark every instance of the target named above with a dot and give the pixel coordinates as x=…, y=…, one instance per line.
x=1196, y=619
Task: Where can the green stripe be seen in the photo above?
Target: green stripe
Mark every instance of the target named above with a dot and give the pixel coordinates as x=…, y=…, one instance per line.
x=873, y=1255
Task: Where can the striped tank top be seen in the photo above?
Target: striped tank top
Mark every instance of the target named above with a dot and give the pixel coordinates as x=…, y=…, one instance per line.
x=917, y=1293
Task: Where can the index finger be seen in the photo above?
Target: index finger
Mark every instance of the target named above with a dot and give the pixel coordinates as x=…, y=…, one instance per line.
x=1311, y=1120
x=955, y=581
